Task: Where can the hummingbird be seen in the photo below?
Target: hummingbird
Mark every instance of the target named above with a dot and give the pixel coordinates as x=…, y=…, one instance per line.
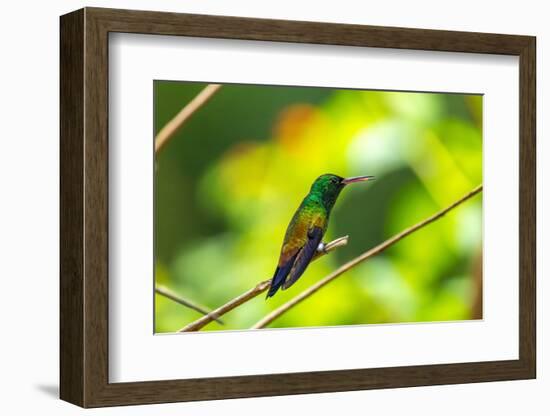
x=306, y=229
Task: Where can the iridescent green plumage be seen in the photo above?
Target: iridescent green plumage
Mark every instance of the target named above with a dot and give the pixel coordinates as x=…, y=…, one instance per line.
x=306, y=229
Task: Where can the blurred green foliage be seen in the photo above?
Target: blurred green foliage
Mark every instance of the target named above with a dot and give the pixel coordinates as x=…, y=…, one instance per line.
x=227, y=185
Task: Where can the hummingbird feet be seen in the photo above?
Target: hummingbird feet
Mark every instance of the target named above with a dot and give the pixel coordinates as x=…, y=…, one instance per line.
x=321, y=247
x=325, y=248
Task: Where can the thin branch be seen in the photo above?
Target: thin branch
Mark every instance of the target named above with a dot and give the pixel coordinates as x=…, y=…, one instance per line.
x=171, y=128
x=232, y=304
x=255, y=291
x=370, y=253
x=167, y=293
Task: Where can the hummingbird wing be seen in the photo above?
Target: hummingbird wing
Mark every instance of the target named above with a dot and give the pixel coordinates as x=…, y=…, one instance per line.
x=304, y=256
x=302, y=238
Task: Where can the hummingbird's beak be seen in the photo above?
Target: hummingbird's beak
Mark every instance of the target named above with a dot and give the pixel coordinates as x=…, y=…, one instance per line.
x=357, y=179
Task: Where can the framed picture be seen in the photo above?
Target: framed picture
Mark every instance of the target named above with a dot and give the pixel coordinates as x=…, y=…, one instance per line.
x=263, y=207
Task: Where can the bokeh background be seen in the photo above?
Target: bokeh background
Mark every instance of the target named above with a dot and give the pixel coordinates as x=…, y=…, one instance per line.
x=228, y=183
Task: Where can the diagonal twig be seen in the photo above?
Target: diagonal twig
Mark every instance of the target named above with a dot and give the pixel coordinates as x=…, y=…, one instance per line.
x=167, y=293
x=255, y=291
x=171, y=128
x=352, y=263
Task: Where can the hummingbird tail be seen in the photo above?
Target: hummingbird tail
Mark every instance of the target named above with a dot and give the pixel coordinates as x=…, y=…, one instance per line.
x=277, y=281
x=272, y=290
x=280, y=276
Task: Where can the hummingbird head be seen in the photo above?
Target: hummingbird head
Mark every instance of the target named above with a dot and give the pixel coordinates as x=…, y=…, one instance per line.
x=328, y=186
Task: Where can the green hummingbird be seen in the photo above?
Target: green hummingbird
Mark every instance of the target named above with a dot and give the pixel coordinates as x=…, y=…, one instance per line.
x=306, y=229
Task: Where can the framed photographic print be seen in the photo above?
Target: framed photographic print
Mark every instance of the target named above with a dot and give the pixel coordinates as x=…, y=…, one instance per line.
x=260, y=207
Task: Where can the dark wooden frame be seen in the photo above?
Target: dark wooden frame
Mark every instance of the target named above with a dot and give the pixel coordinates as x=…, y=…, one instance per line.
x=84, y=207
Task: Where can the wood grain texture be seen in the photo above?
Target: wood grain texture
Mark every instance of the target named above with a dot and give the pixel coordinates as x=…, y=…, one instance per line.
x=96, y=215
x=225, y=27
x=84, y=207
x=71, y=100
x=527, y=208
